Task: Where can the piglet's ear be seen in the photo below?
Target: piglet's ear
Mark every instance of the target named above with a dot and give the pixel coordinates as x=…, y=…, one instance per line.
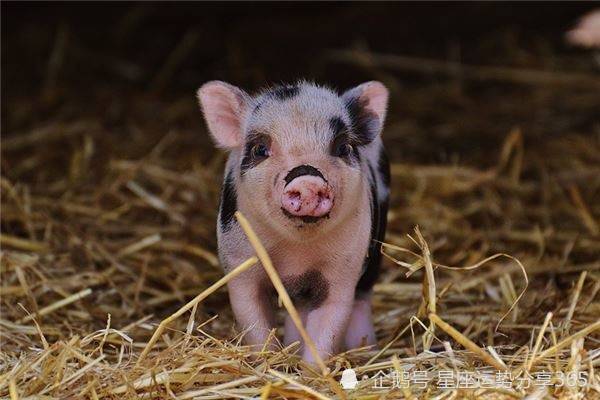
x=367, y=106
x=223, y=106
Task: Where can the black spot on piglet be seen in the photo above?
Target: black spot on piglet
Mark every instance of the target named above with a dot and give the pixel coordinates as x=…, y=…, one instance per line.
x=285, y=92
x=301, y=170
x=337, y=126
x=228, y=203
x=308, y=290
x=383, y=165
x=365, y=124
x=372, y=263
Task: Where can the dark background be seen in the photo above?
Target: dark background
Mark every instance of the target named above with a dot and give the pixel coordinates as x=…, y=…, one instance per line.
x=254, y=43
x=101, y=57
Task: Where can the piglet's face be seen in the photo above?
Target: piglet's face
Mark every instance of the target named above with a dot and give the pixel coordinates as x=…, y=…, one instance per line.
x=296, y=150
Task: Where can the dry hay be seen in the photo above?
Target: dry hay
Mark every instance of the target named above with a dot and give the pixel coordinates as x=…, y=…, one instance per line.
x=104, y=238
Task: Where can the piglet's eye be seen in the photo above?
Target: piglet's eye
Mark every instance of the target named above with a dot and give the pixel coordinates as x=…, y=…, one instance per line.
x=260, y=150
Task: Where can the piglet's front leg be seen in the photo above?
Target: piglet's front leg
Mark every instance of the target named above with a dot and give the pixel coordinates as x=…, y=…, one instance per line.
x=252, y=309
x=326, y=325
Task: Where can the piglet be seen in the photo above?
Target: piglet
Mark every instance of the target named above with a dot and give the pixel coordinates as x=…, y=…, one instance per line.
x=308, y=169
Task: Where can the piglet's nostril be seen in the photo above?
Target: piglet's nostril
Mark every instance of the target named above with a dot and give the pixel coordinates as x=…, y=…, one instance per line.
x=307, y=196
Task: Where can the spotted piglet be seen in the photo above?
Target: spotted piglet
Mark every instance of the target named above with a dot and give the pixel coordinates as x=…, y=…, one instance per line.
x=307, y=168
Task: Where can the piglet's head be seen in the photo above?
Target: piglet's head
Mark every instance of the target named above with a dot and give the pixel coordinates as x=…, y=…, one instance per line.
x=297, y=151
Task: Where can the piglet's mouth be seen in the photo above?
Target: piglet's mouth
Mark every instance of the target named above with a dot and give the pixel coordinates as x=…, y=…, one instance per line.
x=308, y=219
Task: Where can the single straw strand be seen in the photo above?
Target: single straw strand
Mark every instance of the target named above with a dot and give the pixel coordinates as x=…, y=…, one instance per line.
x=55, y=306
x=538, y=340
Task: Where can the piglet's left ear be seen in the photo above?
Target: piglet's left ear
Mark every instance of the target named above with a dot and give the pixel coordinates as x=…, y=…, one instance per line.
x=367, y=105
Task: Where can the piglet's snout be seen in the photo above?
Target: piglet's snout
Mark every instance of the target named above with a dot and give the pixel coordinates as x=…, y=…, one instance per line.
x=307, y=196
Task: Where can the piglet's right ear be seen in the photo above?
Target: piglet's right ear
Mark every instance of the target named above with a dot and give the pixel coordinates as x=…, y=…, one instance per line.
x=223, y=106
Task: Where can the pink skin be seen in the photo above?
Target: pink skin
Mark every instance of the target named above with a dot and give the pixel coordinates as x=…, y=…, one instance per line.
x=326, y=325
x=360, y=331
x=291, y=333
x=251, y=308
x=307, y=195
